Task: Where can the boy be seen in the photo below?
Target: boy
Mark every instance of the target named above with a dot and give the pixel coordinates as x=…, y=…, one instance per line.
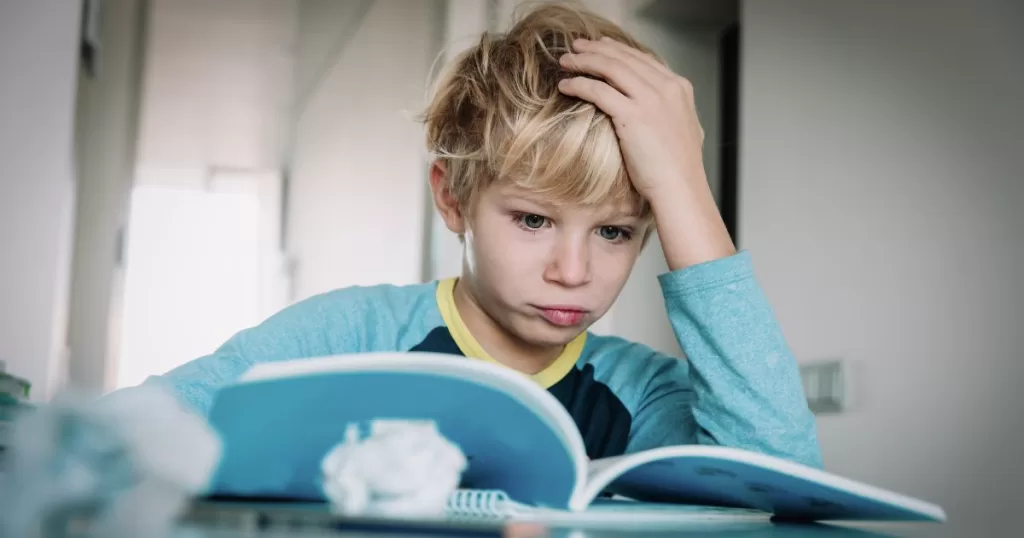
x=558, y=147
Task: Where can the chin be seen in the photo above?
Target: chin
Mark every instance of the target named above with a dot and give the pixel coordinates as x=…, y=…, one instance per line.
x=541, y=333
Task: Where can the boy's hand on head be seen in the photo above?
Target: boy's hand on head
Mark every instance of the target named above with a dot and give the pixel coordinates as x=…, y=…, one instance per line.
x=661, y=141
x=652, y=109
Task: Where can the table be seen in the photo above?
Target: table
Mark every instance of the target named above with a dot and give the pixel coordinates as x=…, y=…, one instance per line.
x=772, y=530
x=295, y=522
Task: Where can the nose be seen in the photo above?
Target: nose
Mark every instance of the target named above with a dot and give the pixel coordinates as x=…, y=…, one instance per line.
x=569, y=263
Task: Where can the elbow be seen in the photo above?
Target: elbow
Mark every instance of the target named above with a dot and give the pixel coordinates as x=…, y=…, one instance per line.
x=804, y=446
x=812, y=456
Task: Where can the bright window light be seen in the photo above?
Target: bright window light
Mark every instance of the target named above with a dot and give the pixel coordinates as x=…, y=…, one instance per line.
x=193, y=277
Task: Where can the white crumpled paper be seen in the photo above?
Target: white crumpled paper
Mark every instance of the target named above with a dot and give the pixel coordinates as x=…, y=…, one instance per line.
x=403, y=468
x=127, y=463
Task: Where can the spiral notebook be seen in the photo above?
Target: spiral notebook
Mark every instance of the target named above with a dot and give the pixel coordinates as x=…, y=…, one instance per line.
x=526, y=456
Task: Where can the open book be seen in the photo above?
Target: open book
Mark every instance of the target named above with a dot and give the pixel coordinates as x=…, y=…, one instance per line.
x=281, y=418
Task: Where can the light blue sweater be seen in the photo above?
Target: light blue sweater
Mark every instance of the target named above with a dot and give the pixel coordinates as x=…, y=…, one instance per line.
x=738, y=386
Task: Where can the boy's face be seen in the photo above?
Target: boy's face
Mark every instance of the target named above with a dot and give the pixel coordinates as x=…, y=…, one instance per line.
x=541, y=271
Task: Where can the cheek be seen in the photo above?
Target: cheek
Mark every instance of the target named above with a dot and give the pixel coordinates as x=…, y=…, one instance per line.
x=612, y=265
x=503, y=252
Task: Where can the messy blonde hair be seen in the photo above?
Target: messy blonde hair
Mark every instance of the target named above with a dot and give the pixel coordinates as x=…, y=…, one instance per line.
x=497, y=115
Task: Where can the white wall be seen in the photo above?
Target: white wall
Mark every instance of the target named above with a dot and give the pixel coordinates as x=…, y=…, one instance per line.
x=881, y=184
x=214, y=117
x=358, y=183
x=217, y=88
x=323, y=29
x=38, y=59
x=106, y=132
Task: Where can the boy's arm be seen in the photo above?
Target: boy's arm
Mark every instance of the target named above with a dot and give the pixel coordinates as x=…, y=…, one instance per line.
x=739, y=385
x=327, y=324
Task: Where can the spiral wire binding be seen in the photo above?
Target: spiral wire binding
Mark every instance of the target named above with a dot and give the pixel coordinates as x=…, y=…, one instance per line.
x=479, y=503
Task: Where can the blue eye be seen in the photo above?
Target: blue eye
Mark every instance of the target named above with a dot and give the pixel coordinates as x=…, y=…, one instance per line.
x=614, y=233
x=531, y=221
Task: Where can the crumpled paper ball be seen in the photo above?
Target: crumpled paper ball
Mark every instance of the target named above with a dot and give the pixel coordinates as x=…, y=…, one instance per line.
x=403, y=468
x=127, y=463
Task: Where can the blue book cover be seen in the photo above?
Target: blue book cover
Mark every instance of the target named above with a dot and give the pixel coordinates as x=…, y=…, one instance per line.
x=280, y=420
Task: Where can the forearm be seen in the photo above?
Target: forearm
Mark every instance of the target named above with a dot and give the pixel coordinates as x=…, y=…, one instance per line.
x=689, y=223
x=322, y=325
x=745, y=379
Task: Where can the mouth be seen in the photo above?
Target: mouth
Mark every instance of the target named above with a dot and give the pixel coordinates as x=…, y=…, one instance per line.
x=562, y=315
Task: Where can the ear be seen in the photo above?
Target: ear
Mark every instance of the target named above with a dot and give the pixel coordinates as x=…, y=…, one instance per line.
x=447, y=205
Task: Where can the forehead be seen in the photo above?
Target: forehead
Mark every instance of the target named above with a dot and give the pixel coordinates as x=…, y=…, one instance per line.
x=511, y=193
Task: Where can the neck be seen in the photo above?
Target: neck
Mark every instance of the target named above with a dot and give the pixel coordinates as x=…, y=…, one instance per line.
x=499, y=343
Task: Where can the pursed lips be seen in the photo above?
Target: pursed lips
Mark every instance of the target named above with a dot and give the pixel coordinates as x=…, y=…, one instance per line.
x=562, y=315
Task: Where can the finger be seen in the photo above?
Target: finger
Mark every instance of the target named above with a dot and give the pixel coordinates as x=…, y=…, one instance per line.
x=614, y=71
x=607, y=98
x=669, y=82
x=621, y=52
x=640, y=56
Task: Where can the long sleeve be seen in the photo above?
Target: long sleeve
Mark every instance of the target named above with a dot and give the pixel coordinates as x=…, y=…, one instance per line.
x=739, y=385
x=306, y=329
x=349, y=320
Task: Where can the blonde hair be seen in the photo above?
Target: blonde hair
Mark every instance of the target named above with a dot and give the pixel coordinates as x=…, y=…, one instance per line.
x=497, y=115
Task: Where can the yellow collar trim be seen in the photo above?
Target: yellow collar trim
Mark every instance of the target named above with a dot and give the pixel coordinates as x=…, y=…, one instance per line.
x=471, y=348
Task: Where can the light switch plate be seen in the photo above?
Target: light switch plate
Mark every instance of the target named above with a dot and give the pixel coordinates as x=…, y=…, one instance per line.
x=825, y=385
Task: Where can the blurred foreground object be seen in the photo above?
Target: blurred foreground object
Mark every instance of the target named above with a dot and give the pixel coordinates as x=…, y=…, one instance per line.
x=14, y=394
x=121, y=466
x=403, y=468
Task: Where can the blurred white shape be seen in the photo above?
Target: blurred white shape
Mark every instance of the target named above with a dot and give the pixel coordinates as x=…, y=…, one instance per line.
x=126, y=464
x=403, y=468
x=202, y=264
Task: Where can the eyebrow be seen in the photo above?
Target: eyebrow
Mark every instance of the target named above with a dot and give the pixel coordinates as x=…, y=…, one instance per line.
x=629, y=214
x=623, y=212
x=529, y=198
